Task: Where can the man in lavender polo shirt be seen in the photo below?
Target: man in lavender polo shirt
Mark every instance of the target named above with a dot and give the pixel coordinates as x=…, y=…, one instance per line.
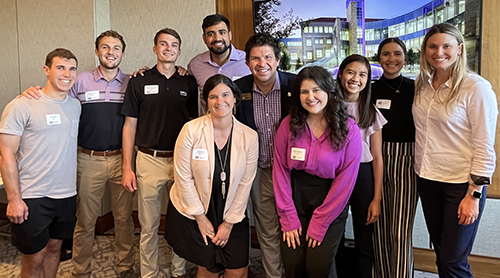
x=221, y=57
x=101, y=93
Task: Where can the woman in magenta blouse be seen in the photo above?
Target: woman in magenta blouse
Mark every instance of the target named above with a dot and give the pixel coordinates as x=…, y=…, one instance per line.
x=316, y=161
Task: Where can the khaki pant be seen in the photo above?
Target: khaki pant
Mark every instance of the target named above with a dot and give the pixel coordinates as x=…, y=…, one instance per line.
x=94, y=172
x=266, y=222
x=153, y=174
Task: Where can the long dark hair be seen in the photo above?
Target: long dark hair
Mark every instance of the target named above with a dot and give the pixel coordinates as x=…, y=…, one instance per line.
x=366, y=110
x=335, y=110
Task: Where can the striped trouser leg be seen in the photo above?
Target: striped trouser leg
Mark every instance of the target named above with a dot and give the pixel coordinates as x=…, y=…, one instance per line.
x=393, y=244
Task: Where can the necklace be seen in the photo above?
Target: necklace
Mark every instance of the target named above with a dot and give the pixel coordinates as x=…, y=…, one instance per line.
x=223, y=166
x=397, y=90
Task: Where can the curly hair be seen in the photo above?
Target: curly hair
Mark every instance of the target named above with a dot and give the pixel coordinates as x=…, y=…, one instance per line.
x=335, y=111
x=262, y=39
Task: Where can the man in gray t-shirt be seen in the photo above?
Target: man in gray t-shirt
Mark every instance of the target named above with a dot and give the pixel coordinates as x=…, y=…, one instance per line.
x=38, y=165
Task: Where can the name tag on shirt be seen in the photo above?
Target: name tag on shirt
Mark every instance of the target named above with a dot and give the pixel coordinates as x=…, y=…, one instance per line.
x=383, y=103
x=91, y=95
x=246, y=96
x=53, y=119
x=151, y=89
x=200, y=154
x=298, y=154
x=182, y=93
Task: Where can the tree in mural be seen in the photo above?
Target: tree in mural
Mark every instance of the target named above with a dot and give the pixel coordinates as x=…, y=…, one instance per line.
x=279, y=27
x=298, y=64
x=285, y=60
x=413, y=58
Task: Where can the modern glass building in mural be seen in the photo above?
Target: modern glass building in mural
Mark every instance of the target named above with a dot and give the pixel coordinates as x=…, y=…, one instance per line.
x=332, y=39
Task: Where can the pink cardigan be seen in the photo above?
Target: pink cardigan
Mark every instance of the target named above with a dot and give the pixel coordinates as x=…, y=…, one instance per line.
x=194, y=167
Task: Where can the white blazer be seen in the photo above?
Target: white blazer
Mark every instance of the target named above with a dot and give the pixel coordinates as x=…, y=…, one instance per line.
x=194, y=157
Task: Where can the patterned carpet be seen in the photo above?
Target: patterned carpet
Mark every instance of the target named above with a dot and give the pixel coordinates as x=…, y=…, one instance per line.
x=103, y=260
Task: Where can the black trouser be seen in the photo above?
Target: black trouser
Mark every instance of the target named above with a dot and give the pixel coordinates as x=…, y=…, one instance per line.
x=362, y=196
x=309, y=192
x=452, y=242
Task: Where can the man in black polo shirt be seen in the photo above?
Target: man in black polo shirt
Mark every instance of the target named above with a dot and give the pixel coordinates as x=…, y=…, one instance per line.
x=156, y=106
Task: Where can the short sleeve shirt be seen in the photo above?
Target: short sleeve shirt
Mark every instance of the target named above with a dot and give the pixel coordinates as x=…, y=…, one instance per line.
x=380, y=121
x=46, y=157
x=202, y=67
x=101, y=121
x=161, y=105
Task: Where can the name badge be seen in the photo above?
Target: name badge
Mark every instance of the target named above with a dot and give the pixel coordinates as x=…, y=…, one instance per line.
x=91, y=95
x=182, y=93
x=383, y=103
x=151, y=89
x=200, y=154
x=298, y=154
x=246, y=96
x=53, y=119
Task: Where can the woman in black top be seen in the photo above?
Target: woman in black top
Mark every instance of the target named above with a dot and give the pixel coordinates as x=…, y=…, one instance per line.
x=393, y=95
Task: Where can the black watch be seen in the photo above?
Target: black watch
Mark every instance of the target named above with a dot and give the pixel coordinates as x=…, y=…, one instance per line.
x=474, y=193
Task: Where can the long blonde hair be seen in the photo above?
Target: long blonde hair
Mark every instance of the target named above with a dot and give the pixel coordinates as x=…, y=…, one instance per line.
x=459, y=68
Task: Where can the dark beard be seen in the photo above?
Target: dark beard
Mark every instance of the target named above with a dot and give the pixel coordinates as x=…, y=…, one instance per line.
x=219, y=50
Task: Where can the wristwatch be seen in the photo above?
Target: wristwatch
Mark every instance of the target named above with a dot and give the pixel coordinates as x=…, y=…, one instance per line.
x=474, y=193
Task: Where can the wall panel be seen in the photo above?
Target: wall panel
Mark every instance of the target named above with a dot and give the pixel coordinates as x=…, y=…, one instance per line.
x=46, y=25
x=138, y=22
x=240, y=15
x=490, y=69
x=9, y=77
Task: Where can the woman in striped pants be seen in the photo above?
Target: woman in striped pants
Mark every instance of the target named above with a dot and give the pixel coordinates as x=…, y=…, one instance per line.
x=393, y=95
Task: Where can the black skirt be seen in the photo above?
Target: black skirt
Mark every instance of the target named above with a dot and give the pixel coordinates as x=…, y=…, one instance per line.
x=185, y=238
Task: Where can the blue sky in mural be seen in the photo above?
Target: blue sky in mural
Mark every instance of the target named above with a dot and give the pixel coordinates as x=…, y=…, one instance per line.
x=307, y=9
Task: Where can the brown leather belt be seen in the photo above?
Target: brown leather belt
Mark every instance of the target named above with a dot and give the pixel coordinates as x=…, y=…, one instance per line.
x=156, y=153
x=100, y=153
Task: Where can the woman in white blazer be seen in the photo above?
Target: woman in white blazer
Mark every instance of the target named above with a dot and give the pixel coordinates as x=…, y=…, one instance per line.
x=215, y=161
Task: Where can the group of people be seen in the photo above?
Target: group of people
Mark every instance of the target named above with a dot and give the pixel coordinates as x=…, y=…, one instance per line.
x=301, y=148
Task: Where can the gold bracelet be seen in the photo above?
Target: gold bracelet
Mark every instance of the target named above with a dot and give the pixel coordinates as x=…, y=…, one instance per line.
x=228, y=225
